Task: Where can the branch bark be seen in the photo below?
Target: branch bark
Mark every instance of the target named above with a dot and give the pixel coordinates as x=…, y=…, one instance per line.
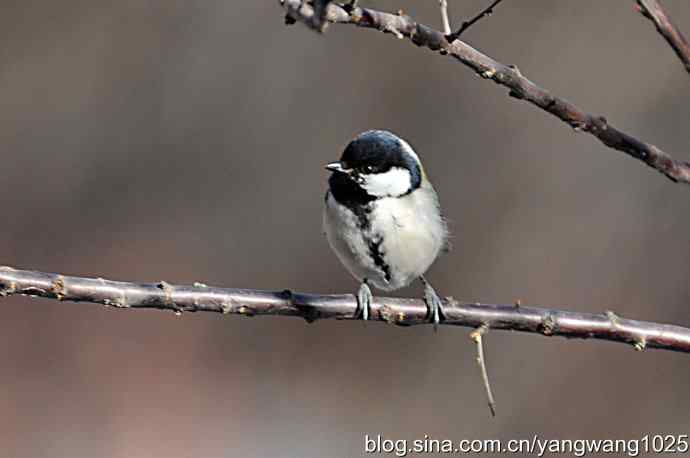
x=652, y=10
x=399, y=311
x=403, y=26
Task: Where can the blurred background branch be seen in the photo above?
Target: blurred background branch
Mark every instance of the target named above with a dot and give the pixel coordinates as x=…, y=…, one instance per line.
x=403, y=26
x=400, y=311
x=652, y=10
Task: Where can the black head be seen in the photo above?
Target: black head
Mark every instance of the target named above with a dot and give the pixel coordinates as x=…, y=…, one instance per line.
x=374, y=165
x=377, y=151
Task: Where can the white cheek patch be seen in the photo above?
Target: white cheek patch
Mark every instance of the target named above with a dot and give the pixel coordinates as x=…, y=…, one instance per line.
x=395, y=182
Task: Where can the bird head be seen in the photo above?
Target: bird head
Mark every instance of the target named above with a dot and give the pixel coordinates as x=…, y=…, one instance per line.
x=376, y=164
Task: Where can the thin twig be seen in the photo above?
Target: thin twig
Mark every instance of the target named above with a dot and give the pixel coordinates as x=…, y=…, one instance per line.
x=652, y=10
x=445, y=22
x=477, y=335
x=467, y=24
x=403, y=26
x=400, y=311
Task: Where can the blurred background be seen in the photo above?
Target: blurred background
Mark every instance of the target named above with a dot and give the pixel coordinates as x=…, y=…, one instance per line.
x=184, y=141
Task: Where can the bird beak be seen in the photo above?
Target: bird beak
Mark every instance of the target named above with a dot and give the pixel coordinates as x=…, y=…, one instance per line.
x=336, y=167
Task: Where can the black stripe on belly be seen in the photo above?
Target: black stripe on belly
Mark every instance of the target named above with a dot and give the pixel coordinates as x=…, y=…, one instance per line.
x=361, y=205
x=377, y=255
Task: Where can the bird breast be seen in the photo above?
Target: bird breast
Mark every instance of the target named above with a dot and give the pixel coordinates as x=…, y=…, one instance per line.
x=390, y=241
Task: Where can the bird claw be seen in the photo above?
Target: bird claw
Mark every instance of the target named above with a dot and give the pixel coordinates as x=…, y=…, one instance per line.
x=364, y=300
x=434, y=304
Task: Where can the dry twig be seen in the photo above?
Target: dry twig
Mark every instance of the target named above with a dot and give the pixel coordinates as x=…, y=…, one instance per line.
x=476, y=336
x=467, y=24
x=444, y=16
x=652, y=10
x=403, y=26
x=400, y=311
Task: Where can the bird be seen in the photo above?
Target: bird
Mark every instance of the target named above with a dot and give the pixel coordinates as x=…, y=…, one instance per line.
x=382, y=218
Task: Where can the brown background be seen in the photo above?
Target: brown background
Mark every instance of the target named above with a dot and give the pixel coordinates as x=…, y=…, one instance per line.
x=184, y=141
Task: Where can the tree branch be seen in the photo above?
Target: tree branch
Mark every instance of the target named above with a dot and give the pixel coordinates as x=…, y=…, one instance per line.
x=445, y=22
x=467, y=24
x=652, y=10
x=477, y=335
x=403, y=26
x=400, y=311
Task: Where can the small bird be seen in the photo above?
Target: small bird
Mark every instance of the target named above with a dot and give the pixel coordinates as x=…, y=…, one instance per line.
x=383, y=219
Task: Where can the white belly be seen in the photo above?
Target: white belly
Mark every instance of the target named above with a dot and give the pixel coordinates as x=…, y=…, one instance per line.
x=408, y=233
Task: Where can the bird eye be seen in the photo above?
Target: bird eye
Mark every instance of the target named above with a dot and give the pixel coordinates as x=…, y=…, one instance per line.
x=369, y=168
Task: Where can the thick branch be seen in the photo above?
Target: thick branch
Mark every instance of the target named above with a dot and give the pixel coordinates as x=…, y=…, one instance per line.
x=405, y=312
x=403, y=26
x=652, y=10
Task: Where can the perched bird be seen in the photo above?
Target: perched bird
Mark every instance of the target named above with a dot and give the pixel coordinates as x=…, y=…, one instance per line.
x=382, y=217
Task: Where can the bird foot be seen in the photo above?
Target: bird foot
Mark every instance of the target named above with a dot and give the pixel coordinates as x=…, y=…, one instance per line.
x=364, y=300
x=433, y=303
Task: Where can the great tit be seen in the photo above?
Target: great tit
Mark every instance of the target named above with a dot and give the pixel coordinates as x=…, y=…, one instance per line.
x=382, y=217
